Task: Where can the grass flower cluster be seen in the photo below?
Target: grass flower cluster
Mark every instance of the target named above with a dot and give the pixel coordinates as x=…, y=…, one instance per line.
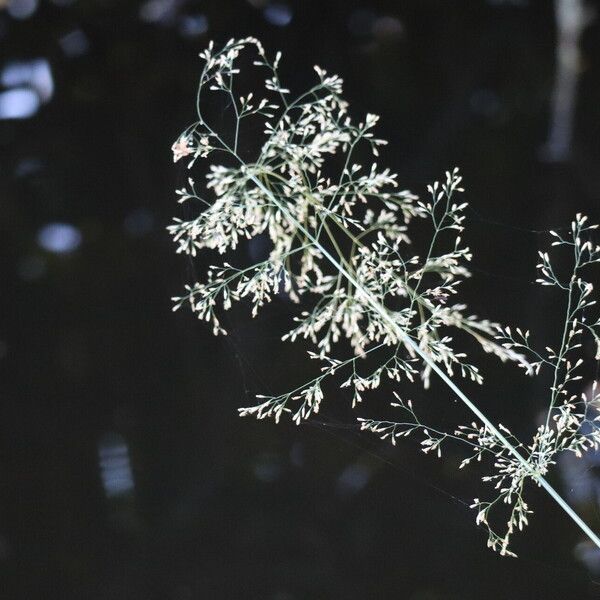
x=340, y=246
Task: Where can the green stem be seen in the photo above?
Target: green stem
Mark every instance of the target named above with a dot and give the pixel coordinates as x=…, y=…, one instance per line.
x=408, y=341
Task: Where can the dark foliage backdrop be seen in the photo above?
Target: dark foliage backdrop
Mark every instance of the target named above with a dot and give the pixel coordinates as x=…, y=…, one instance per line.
x=125, y=471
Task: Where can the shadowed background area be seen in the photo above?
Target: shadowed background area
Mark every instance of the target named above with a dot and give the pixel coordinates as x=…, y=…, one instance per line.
x=125, y=471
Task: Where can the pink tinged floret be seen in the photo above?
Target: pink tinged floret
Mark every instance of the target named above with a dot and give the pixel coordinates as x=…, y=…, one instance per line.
x=181, y=148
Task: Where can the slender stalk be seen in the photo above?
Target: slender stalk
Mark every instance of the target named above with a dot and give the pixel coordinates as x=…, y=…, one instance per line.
x=380, y=309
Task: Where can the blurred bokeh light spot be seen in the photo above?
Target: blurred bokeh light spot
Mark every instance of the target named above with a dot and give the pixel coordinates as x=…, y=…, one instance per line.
x=34, y=73
x=388, y=29
x=278, y=14
x=59, y=238
x=193, y=25
x=115, y=467
x=589, y=555
x=353, y=479
x=74, y=44
x=18, y=103
x=267, y=468
x=365, y=23
x=22, y=9
x=139, y=222
x=156, y=11
x=28, y=166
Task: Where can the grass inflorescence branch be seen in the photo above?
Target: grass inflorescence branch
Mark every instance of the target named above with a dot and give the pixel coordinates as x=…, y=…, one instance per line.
x=340, y=236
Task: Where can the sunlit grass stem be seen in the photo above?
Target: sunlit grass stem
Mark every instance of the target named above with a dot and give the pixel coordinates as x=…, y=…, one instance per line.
x=384, y=314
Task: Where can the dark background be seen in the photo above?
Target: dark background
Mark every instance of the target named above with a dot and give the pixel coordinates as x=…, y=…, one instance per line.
x=125, y=471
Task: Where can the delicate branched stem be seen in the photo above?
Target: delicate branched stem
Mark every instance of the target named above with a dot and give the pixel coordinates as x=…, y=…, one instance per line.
x=340, y=242
x=383, y=312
